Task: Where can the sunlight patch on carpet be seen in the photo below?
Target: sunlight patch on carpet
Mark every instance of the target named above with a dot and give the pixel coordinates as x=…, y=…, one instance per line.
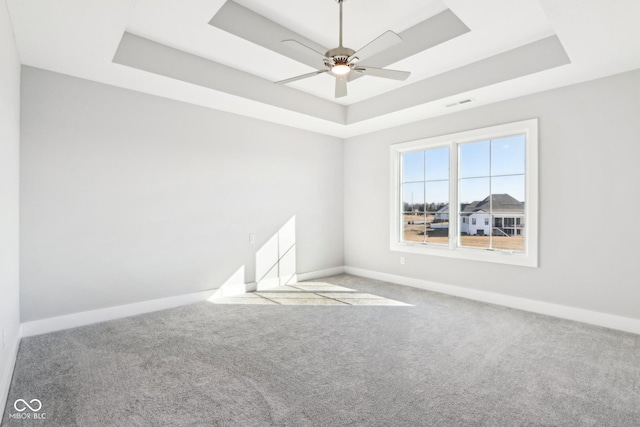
x=309, y=293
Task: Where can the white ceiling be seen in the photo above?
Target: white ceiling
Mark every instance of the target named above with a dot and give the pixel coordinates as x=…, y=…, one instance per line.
x=81, y=37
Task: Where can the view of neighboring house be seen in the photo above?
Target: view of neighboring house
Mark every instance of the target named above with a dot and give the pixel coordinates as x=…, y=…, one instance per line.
x=507, y=213
x=442, y=214
x=508, y=216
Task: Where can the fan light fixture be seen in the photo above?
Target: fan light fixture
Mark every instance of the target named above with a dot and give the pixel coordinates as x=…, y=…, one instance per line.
x=341, y=69
x=345, y=63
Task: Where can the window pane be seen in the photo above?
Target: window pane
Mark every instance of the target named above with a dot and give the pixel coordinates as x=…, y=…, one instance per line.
x=437, y=161
x=507, y=155
x=437, y=208
x=474, y=236
x=413, y=197
x=437, y=195
x=474, y=194
x=508, y=213
x=474, y=159
x=413, y=229
x=508, y=232
x=507, y=194
x=474, y=208
x=414, y=215
x=413, y=166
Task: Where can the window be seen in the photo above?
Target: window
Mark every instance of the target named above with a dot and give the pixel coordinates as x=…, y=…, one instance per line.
x=425, y=195
x=488, y=174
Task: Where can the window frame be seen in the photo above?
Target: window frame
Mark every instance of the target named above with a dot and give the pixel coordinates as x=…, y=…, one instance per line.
x=528, y=258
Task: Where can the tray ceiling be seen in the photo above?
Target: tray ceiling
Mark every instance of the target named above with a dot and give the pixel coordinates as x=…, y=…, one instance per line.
x=226, y=55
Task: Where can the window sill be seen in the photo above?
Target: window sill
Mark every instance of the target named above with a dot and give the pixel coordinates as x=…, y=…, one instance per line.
x=484, y=255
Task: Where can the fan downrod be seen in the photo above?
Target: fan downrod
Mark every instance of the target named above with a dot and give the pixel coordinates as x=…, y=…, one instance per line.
x=343, y=62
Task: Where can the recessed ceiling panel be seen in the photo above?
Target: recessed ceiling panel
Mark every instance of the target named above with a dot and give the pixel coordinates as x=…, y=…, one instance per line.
x=147, y=55
x=542, y=55
x=244, y=23
x=441, y=28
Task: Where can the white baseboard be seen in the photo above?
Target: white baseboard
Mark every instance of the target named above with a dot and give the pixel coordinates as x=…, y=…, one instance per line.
x=52, y=324
x=611, y=321
x=5, y=381
x=320, y=273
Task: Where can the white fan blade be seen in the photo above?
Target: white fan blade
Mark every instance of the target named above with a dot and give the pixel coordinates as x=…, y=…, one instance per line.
x=383, y=72
x=354, y=74
x=306, y=50
x=383, y=42
x=304, y=76
x=341, y=86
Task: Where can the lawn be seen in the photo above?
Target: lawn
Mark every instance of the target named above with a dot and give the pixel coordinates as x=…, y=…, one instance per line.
x=415, y=233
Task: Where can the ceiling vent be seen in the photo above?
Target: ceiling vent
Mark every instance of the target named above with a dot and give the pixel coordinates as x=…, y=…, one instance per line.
x=464, y=101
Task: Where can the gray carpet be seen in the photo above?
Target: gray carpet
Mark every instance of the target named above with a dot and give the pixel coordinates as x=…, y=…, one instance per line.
x=442, y=362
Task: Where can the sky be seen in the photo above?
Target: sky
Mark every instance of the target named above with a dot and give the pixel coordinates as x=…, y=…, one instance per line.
x=493, y=166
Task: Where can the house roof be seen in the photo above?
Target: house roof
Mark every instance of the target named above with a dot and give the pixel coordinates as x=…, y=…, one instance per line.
x=443, y=209
x=496, y=203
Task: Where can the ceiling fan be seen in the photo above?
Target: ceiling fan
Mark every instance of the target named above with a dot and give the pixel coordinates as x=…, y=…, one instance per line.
x=343, y=62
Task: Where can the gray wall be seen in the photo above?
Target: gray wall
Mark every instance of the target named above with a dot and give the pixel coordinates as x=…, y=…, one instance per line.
x=589, y=199
x=127, y=197
x=9, y=199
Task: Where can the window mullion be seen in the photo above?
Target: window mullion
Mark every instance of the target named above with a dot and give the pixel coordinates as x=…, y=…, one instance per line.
x=454, y=205
x=490, y=196
x=424, y=197
x=400, y=198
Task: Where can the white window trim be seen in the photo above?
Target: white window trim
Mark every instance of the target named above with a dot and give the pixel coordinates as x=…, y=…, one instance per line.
x=529, y=258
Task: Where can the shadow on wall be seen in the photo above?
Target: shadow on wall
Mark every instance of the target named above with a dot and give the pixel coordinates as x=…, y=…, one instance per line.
x=275, y=265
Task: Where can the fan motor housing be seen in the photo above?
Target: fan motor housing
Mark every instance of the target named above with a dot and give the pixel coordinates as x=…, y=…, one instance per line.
x=340, y=51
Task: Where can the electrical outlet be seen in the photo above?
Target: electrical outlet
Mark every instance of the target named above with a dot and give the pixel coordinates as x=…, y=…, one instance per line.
x=401, y=260
x=252, y=238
